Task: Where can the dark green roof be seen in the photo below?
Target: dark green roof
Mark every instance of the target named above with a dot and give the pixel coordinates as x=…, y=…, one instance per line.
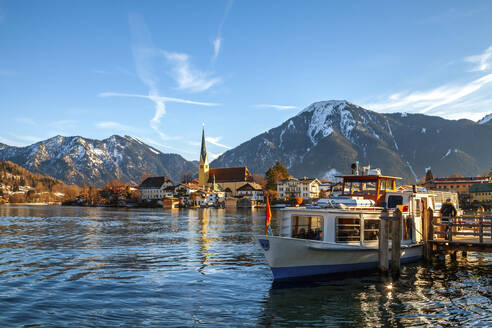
x=481, y=187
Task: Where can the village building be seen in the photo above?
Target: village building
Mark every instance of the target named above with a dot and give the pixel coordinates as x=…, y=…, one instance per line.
x=252, y=191
x=229, y=179
x=481, y=193
x=154, y=187
x=306, y=188
x=460, y=185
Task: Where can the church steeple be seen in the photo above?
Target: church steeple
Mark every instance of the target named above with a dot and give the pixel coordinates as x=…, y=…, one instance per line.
x=203, y=165
x=203, y=152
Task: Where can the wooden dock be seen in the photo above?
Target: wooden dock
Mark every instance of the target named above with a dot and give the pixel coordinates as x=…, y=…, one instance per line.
x=441, y=235
x=464, y=233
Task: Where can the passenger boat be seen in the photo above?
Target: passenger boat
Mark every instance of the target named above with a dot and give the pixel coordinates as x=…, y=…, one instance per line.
x=341, y=234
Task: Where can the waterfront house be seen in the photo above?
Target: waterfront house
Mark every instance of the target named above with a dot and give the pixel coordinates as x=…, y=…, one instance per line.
x=307, y=188
x=154, y=187
x=461, y=185
x=252, y=191
x=481, y=193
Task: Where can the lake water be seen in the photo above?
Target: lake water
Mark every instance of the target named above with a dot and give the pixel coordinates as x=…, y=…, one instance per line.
x=79, y=267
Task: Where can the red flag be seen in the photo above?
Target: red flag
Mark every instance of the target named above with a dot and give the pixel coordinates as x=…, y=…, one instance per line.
x=268, y=219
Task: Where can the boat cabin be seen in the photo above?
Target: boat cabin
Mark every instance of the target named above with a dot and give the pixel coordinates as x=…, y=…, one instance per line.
x=359, y=224
x=373, y=187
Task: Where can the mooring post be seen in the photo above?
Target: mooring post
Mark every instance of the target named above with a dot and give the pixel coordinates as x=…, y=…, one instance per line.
x=383, y=242
x=428, y=232
x=396, y=243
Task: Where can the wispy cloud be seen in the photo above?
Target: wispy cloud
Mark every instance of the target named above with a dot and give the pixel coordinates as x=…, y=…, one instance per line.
x=217, y=43
x=111, y=125
x=28, y=139
x=426, y=101
x=187, y=77
x=279, y=107
x=10, y=142
x=194, y=143
x=153, y=142
x=215, y=141
x=213, y=155
x=146, y=58
x=158, y=98
x=482, y=61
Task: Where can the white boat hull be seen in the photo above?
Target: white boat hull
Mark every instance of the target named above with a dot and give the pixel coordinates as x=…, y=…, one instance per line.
x=293, y=257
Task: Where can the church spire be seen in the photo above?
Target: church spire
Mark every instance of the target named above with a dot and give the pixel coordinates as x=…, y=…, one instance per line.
x=203, y=152
x=203, y=165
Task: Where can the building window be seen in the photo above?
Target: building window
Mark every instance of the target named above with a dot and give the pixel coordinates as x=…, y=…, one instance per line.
x=347, y=229
x=307, y=227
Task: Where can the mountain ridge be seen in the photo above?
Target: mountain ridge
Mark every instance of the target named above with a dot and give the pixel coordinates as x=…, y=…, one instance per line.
x=79, y=160
x=327, y=136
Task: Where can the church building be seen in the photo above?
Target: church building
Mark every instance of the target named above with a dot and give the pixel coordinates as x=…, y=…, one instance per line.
x=230, y=178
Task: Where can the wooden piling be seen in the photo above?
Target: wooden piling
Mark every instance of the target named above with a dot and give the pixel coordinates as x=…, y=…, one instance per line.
x=396, y=243
x=428, y=233
x=383, y=242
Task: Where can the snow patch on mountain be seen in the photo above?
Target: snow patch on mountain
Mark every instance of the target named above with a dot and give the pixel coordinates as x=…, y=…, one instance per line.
x=485, y=119
x=391, y=134
x=411, y=170
x=449, y=152
x=324, y=119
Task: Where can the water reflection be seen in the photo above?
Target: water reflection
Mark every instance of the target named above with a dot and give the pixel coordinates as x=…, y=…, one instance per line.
x=69, y=266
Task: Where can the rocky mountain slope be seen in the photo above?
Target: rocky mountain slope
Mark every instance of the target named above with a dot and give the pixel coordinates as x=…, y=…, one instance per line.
x=77, y=160
x=326, y=137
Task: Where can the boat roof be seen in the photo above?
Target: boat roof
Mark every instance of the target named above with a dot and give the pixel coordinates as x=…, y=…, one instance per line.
x=348, y=209
x=353, y=176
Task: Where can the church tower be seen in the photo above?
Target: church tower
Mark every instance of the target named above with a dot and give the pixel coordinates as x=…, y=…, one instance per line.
x=203, y=165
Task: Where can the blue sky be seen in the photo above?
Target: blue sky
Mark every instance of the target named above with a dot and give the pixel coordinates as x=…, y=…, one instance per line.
x=157, y=70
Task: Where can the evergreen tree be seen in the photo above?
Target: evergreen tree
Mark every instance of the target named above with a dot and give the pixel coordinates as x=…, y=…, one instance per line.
x=276, y=173
x=429, y=176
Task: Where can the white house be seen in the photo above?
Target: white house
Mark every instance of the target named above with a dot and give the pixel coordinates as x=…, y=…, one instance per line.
x=154, y=187
x=252, y=191
x=306, y=188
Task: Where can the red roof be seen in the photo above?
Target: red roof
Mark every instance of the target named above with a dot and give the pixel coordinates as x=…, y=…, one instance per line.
x=461, y=180
x=229, y=174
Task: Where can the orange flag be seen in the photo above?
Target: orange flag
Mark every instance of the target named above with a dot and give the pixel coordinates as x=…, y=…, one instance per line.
x=268, y=219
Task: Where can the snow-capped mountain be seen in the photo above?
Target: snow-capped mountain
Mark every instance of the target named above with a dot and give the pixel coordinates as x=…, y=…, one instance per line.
x=486, y=119
x=77, y=160
x=326, y=137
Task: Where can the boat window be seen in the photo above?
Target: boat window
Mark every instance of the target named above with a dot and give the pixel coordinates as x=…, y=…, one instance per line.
x=348, y=229
x=394, y=200
x=346, y=188
x=356, y=187
x=307, y=227
x=382, y=185
x=371, y=229
x=389, y=185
